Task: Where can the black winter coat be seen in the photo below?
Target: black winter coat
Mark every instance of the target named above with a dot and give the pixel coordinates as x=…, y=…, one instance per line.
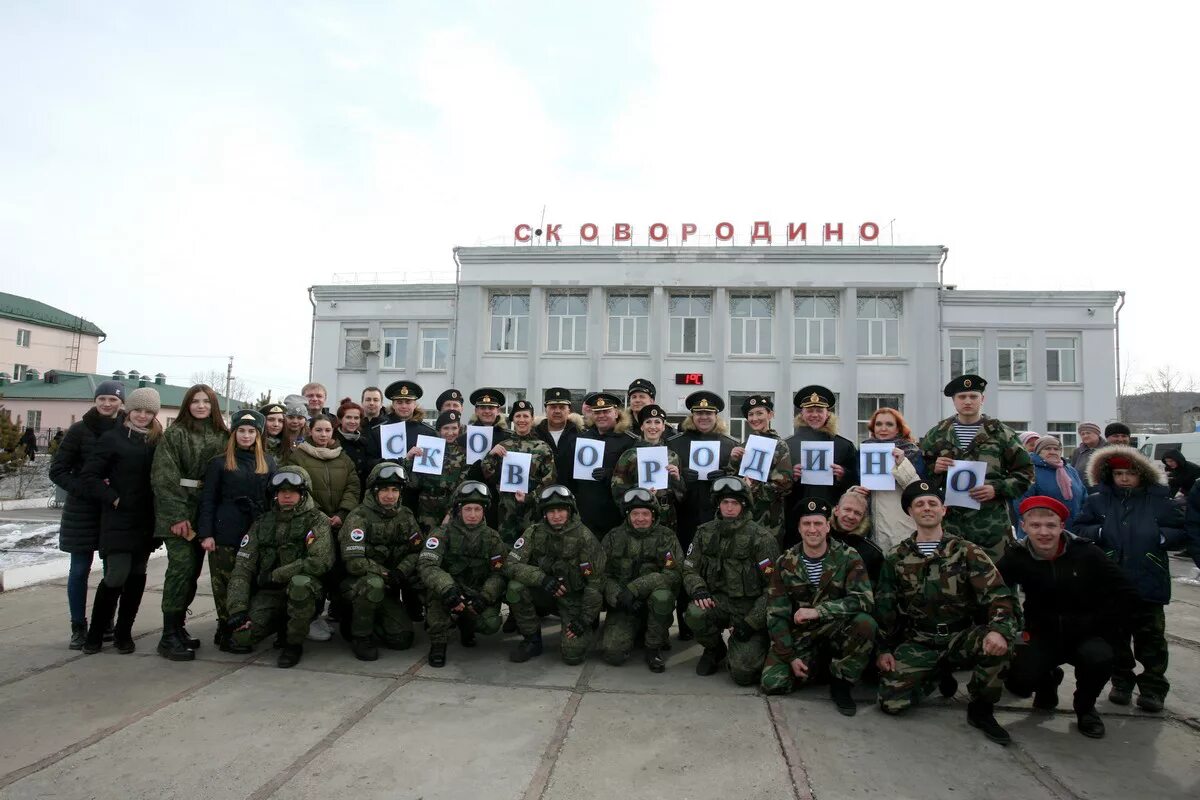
x=1076, y=596
x=594, y=498
x=1181, y=479
x=231, y=501
x=357, y=450
x=119, y=469
x=696, y=507
x=79, y=531
x=564, y=450
x=844, y=454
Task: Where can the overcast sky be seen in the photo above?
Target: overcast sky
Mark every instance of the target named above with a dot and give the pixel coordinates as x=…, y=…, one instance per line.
x=180, y=173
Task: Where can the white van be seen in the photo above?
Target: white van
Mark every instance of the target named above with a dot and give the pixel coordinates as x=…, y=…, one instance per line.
x=1154, y=445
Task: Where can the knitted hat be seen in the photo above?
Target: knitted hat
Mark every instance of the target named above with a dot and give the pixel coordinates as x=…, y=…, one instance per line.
x=1115, y=429
x=1046, y=441
x=110, y=388
x=1025, y=436
x=1088, y=426
x=144, y=399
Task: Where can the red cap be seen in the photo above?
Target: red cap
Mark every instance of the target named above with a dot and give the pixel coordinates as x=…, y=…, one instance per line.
x=1120, y=462
x=1041, y=501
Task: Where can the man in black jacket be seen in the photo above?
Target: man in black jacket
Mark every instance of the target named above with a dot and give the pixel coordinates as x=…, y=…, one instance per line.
x=1075, y=601
x=1181, y=473
x=559, y=430
x=597, y=509
x=816, y=422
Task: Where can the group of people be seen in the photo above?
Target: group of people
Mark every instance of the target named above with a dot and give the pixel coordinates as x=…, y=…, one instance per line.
x=300, y=510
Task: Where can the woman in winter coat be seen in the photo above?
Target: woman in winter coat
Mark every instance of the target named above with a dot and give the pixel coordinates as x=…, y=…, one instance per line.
x=1053, y=477
x=182, y=457
x=891, y=524
x=79, y=531
x=235, y=494
x=117, y=476
x=275, y=442
x=349, y=436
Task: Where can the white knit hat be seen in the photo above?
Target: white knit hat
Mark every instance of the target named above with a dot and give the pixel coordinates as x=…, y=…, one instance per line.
x=145, y=399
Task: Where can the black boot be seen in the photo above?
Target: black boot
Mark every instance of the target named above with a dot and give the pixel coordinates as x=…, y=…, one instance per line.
x=710, y=660
x=131, y=601
x=437, y=654
x=654, y=660
x=1045, y=697
x=171, y=646
x=466, y=631
x=948, y=684
x=78, y=634
x=510, y=622
x=1120, y=695
x=289, y=656
x=191, y=641
x=223, y=637
x=527, y=648
x=979, y=715
x=102, y=609
x=1090, y=724
x=839, y=690
x=364, y=648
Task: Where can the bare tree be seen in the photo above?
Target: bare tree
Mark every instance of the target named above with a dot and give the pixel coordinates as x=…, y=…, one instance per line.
x=1170, y=394
x=238, y=389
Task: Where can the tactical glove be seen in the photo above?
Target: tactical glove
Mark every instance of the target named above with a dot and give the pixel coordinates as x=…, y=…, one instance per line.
x=600, y=474
x=475, y=600
x=742, y=630
x=690, y=475
x=701, y=594
x=551, y=584
x=236, y=621
x=451, y=598
x=626, y=601
x=575, y=628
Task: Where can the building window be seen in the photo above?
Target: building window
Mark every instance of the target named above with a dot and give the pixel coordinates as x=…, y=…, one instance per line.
x=750, y=324
x=1065, y=433
x=739, y=429
x=1060, y=359
x=395, y=348
x=879, y=324
x=19, y=371
x=868, y=404
x=964, y=355
x=33, y=419
x=22, y=337
x=1013, y=353
x=356, y=356
x=1015, y=425
x=816, y=324
x=511, y=396
x=510, y=322
x=566, y=323
x=690, y=317
x=628, y=323
x=435, y=345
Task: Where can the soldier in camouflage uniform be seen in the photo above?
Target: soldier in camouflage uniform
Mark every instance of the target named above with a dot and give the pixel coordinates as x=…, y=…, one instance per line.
x=820, y=600
x=767, y=499
x=436, y=492
x=276, y=581
x=379, y=542
x=462, y=570
x=642, y=581
x=1009, y=470
x=653, y=421
x=517, y=509
x=557, y=566
x=941, y=605
x=726, y=572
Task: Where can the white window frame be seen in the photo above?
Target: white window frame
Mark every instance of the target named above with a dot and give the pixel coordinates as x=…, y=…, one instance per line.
x=629, y=326
x=393, y=357
x=566, y=333
x=738, y=426
x=23, y=335
x=19, y=371
x=30, y=413
x=1012, y=363
x=351, y=360
x=429, y=348
x=878, y=401
x=819, y=328
x=701, y=325
x=1073, y=350
x=962, y=349
x=876, y=327
x=743, y=328
x=1066, y=433
x=510, y=340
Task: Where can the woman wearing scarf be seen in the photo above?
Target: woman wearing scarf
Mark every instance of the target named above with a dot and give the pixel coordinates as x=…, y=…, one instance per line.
x=891, y=525
x=1054, y=477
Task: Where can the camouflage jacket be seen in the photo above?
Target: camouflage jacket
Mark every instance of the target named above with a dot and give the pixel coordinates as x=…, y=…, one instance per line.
x=514, y=517
x=734, y=558
x=928, y=599
x=767, y=499
x=844, y=590
x=435, y=493
x=642, y=561
x=625, y=477
x=182, y=456
x=469, y=558
x=377, y=541
x=280, y=545
x=571, y=553
x=1009, y=470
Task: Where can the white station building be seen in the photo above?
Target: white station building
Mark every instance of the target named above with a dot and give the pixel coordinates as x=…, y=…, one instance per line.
x=873, y=323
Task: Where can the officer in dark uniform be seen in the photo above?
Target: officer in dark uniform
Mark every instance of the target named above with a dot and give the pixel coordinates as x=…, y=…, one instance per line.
x=450, y=400
x=640, y=394
x=488, y=403
x=559, y=430
x=597, y=508
x=816, y=422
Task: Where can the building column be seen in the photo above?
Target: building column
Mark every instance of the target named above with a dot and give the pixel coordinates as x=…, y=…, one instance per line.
x=657, y=333
x=847, y=407
x=537, y=324
x=718, y=340
x=1037, y=378
x=595, y=332
x=785, y=341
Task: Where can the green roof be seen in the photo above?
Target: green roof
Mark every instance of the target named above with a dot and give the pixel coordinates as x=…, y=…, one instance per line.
x=23, y=309
x=82, y=386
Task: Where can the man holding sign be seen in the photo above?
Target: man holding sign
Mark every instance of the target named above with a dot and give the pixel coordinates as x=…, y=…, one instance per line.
x=969, y=435
x=558, y=430
x=406, y=410
x=816, y=422
x=435, y=491
x=597, y=451
x=516, y=508
x=650, y=465
x=769, y=473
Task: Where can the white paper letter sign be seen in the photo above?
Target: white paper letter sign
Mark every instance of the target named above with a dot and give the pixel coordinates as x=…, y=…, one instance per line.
x=514, y=472
x=430, y=461
x=589, y=455
x=817, y=461
x=393, y=440
x=479, y=441
x=875, y=466
x=652, y=467
x=704, y=458
x=961, y=479
x=756, y=461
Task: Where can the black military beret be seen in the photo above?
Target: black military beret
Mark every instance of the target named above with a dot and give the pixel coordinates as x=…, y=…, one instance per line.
x=757, y=401
x=522, y=405
x=813, y=506
x=403, y=390
x=449, y=394
x=448, y=417
x=964, y=383
x=642, y=385
x=601, y=400
x=556, y=394
x=651, y=410
x=704, y=401
x=918, y=489
x=814, y=395
x=272, y=408
x=487, y=397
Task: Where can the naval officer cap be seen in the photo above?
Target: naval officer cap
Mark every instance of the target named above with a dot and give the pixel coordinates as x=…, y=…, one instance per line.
x=814, y=395
x=704, y=401
x=403, y=390
x=598, y=401
x=487, y=397
x=556, y=395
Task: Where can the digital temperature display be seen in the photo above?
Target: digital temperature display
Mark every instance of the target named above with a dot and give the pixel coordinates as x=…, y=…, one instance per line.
x=689, y=378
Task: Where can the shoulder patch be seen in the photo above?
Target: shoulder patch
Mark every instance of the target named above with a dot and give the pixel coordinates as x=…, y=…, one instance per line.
x=432, y=543
x=519, y=543
x=309, y=538
x=766, y=567
x=245, y=540
x=497, y=562
x=691, y=547
x=668, y=560
x=416, y=537
x=585, y=569
x=357, y=535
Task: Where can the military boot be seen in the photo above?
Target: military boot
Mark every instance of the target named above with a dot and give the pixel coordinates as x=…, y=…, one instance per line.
x=527, y=648
x=654, y=660
x=102, y=608
x=437, y=654
x=78, y=634
x=711, y=659
x=171, y=646
x=191, y=641
x=466, y=630
x=131, y=601
x=947, y=684
x=364, y=648
x=289, y=656
x=1045, y=697
x=1089, y=722
x=839, y=690
x=979, y=715
x=1120, y=695
x=1146, y=702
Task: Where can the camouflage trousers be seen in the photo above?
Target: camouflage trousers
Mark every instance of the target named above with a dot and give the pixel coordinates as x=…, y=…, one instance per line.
x=745, y=658
x=184, y=561
x=376, y=610
x=989, y=527
x=289, y=609
x=529, y=604
x=921, y=661
x=847, y=642
x=621, y=627
x=1148, y=634
x=220, y=570
x=439, y=621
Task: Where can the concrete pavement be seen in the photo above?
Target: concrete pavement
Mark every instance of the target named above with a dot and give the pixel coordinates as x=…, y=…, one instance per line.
x=137, y=726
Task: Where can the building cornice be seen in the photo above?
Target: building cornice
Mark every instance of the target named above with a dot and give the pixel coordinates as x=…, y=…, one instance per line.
x=983, y=297
x=584, y=254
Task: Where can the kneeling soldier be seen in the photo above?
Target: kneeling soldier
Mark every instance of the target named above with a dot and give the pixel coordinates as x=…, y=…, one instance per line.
x=941, y=605
x=276, y=579
x=461, y=568
x=725, y=573
x=380, y=541
x=819, y=601
x=643, y=580
x=555, y=567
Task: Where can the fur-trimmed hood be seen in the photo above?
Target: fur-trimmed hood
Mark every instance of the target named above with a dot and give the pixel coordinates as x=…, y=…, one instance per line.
x=830, y=426
x=1098, y=471
x=689, y=425
x=539, y=423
